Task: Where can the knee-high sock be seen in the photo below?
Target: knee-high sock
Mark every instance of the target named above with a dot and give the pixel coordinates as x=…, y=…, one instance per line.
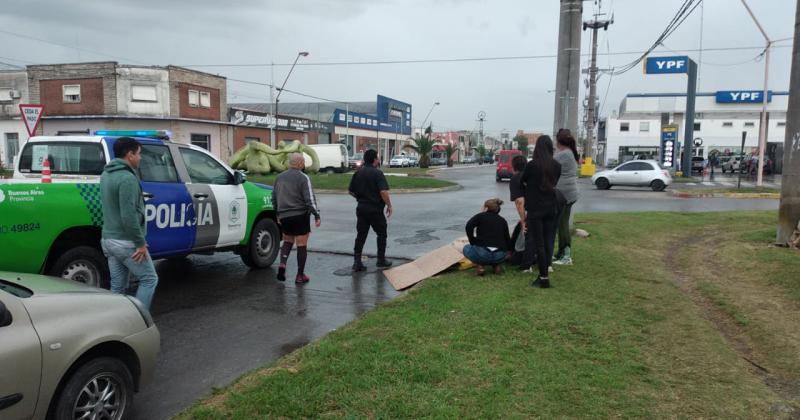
x=286, y=249
x=301, y=259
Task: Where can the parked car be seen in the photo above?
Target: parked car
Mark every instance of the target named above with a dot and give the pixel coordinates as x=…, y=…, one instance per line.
x=503, y=168
x=469, y=159
x=698, y=164
x=413, y=160
x=488, y=159
x=72, y=351
x=332, y=157
x=640, y=173
x=399, y=161
x=730, y=164
x=356, y=161
x=438, y=161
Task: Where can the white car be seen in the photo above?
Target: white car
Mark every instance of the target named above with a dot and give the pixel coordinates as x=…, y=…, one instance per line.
x=399, y=161
x=639, y=173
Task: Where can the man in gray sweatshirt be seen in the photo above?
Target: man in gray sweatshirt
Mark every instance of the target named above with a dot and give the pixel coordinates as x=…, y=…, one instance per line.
x=294, y=201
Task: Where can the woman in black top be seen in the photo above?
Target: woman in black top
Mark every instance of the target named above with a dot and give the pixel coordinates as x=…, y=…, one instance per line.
x=542, y=204
x=491, y=242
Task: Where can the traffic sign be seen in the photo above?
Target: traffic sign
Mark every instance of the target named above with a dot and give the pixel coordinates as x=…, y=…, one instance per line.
x=31, y=115
x=698, y=141
x=662, y=65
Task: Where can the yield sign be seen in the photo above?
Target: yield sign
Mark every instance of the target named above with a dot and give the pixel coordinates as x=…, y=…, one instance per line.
x=31, y=115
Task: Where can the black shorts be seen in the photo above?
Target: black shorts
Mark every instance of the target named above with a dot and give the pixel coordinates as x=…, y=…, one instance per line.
x=296, y=225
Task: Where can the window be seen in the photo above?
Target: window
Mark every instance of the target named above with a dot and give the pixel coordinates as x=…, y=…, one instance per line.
x=65, y=158
x=635, y=166
x=623, y=126
x=143, y=93
x=205, y=99
x=5, y=94
x=72, y=94
x=194, y=98
x=157, y=164
x=12, y=148
x=781, y=123
x=251, y=139
x=202, y=140
x=644, y=126
x=727, y=124
x=203, y=169
x=749, y=124
x=697, y=126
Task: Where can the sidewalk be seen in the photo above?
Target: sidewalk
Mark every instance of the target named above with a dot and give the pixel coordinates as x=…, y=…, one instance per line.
x=726, y=180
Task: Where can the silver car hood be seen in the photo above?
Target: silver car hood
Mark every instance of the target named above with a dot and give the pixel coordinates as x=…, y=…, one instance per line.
x=45, y=285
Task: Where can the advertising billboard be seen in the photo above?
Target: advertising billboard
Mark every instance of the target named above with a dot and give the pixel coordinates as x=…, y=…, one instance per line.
x=397, y=114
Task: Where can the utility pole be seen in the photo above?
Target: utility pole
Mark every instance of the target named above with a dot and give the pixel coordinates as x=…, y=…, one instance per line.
x=568, y=66
x=481, y=119
x=789, y=210
x=272, y=101
x=590, y=113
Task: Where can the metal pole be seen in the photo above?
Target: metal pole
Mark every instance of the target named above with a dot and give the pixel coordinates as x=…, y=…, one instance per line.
x=271, y=100
x=741, y=159
x=762, y=129
x=688, y=132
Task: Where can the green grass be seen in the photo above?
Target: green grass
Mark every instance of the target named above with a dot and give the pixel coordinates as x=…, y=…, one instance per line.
x=340, y=182
x=416, y=172
x=617, y=336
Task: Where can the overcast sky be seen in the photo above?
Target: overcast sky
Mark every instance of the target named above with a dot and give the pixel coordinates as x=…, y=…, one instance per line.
x=513, y=93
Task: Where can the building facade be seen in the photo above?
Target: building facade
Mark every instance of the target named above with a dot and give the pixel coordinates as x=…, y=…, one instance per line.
x=720, y=119
x=252, y=122
x=13, y=92
x=82, y=98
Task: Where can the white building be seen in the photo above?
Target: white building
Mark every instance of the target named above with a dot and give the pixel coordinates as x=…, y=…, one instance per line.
x=720, y=119
x=13, y=91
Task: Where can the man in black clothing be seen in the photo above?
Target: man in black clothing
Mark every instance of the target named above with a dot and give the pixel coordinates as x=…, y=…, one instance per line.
x=371, y=190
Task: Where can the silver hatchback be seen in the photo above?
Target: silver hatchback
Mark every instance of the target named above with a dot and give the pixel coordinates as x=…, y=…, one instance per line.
x=70, y=351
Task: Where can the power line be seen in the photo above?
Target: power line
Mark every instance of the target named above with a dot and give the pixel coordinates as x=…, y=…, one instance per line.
x=69, y=46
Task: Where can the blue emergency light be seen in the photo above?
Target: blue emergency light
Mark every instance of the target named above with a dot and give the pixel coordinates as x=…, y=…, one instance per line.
x=156, y=134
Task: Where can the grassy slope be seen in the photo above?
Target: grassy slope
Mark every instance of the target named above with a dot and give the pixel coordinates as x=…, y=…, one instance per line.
x=614, y=337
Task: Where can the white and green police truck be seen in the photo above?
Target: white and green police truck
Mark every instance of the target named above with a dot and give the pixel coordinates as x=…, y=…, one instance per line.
x=194, y=203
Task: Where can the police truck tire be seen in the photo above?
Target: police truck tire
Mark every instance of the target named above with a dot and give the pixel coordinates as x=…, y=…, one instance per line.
x=84, y=264
x=264, y=244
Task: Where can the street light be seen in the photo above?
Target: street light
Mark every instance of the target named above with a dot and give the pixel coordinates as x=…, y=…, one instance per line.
x=762, y=132
x=280, y=90
x=429, y=114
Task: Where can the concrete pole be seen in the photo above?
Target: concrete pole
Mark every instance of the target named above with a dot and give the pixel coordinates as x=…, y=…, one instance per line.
x=592, y=94
x=568, y=66
x=762, y=129
x=272, y=101
x=789, y=211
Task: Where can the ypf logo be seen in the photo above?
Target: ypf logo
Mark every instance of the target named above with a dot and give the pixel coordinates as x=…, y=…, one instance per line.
x=2, y=196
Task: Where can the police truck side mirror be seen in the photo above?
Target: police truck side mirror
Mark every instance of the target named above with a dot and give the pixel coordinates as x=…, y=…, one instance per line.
x=238, y=178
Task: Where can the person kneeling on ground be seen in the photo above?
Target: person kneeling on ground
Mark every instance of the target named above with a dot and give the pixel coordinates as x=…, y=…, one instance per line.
x=491, y=242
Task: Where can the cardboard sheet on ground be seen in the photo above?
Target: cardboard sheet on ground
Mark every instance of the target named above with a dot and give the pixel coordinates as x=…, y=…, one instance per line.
x=430, y=264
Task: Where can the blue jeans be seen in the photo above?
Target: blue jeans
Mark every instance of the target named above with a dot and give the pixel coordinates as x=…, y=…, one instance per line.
x=481, y=255
x=120, y=264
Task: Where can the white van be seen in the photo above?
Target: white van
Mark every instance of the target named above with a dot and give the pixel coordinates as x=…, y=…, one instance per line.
x=332, y=157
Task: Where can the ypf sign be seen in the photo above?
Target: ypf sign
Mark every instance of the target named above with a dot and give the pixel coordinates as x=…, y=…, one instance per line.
x=666, y=65
x=742, y=96
x=31, y=115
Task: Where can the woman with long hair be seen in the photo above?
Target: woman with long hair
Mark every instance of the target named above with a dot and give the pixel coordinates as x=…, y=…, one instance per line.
x=567, y=156
x=540, y=178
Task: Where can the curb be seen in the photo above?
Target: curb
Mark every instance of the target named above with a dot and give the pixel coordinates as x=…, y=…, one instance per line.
x=679, y=194
x=402, y=190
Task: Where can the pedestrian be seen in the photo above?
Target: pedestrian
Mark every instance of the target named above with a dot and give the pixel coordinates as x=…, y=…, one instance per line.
x=488, y=237
x=294, y=202
x=371, y=190
x=524, y=255
x=567, y=156
x=124, y=225
x=539, y=179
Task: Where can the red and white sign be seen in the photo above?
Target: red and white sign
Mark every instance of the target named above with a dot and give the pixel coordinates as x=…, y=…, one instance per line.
x=31, y=115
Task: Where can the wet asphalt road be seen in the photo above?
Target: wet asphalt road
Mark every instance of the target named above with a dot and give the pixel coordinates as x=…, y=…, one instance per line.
x=218, y=319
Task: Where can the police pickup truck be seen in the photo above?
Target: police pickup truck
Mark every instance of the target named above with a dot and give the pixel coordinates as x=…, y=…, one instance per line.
x=194, y=203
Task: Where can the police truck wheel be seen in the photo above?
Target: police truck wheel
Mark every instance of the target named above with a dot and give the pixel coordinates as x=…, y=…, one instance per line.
x=84, y=264
x=264, y=243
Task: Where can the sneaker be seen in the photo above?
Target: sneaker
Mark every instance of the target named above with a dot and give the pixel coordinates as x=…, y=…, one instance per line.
x=301, y=279
x=359, y=267
x=479, y=270
x=541, y=283
x=564, y=261
x=550, y=269
x=281, y=273
x=383, y=264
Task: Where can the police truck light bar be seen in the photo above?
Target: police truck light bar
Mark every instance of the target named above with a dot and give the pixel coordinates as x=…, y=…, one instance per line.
x=156, y=134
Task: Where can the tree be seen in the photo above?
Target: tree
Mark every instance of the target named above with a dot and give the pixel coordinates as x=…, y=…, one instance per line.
x=423, y=146
x=789, y=210
x=522, y=143
x=449, y=149
x=481, y=151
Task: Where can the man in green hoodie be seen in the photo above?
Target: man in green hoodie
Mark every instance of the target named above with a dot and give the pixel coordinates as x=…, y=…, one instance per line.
x=124, y=225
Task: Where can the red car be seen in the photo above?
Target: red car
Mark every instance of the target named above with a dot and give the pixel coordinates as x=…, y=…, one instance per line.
x=504, y=170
